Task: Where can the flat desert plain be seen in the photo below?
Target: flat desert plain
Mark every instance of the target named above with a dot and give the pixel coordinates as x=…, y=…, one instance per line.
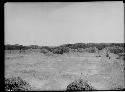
x=58, y=71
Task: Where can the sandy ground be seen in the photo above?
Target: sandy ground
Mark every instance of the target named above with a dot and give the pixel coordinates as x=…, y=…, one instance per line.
x=57, y=72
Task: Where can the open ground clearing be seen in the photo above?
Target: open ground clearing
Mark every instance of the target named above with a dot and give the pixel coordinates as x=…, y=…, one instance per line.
x=57, y=72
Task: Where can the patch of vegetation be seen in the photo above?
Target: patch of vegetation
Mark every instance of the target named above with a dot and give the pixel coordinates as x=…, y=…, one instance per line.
x=16, y=84
x=91, y=49
x=117, y=50
x=69, y=48
x=60, y=50
x=16, y=47
x=79, y=85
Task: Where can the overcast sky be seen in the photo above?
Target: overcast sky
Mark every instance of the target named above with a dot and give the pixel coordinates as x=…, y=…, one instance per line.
x=57, y=23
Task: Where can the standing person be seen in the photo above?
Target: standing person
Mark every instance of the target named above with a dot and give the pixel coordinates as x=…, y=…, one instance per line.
x=107, y=53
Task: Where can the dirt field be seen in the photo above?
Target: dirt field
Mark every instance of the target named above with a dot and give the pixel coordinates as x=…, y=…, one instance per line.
x=57, y=72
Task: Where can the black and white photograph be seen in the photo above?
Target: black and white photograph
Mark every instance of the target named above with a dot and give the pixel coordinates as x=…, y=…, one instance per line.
x=64, y=46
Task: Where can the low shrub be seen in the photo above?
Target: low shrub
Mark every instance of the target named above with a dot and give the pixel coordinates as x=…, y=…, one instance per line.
x=57, y=51
x=91, y=49
x=79, y=85
x=16, y=84
x=117, y=50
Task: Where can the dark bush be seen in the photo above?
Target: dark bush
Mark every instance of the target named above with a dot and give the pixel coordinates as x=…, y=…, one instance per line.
x=79, y=85
x=60, y=50
x=16, y=47
x=79, y=45
x=16, y=84
x=65, y=49
x=117, y=50
x=91, y=49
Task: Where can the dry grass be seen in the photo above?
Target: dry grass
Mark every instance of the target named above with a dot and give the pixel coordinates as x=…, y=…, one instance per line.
x=58, y=71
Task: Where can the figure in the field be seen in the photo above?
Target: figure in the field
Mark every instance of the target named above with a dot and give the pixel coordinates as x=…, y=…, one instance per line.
x=107, y=53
